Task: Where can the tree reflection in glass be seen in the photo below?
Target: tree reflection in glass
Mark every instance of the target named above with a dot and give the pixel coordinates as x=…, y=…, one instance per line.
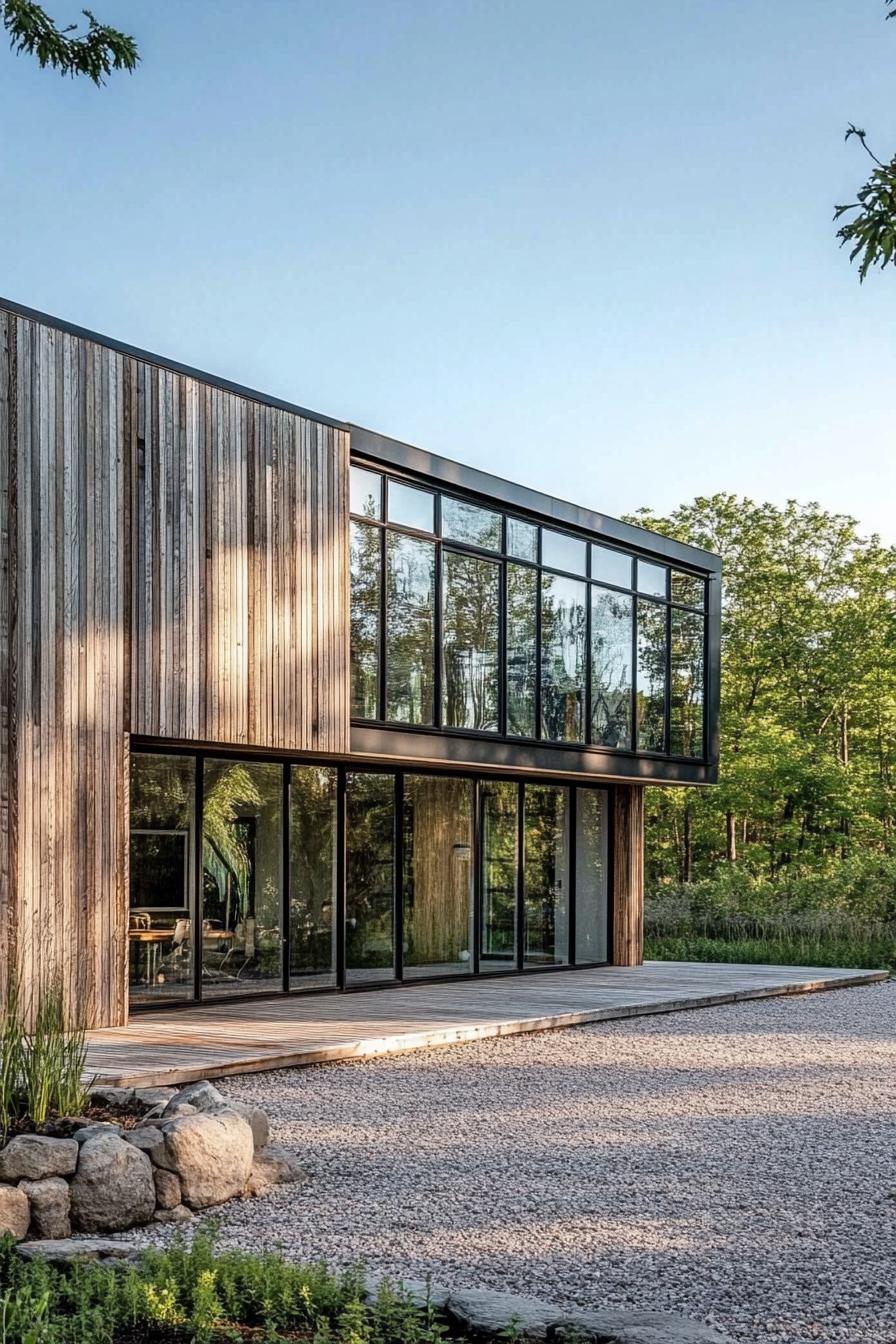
x=651, y=676
x=370, y=876
x=546, y=875
x=499, y=873
x=312, y=876
x=471, y=595
x=438, y=875
x=410, y=596
x=522, y=649
x=611, y=668
x=365, y=620
x=686, y=687
x=563, y=630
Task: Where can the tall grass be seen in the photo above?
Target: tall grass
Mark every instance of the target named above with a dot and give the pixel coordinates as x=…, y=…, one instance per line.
x=674, y=931
x=41, y=1065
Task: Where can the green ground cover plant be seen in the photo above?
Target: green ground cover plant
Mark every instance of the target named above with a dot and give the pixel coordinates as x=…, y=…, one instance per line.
x=193, y=1294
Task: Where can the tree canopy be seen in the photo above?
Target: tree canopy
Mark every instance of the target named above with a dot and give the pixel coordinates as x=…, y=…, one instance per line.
x=95, y=52
x=808, y=716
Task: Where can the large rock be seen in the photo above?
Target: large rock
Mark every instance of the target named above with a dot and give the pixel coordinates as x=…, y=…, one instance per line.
x=31, y=1157
x=113, y=1187
x=70, y=1250
x=147, y=1137
x=50, y=1206
x=206, y=1098
x=94, y=1128
x=634, y=1327
x=482, y=1314
x=112, y=1096
x=15, y=1214
x=211, y=1153
x=273, y=1166
x=167, y=1188
x=153, y=1096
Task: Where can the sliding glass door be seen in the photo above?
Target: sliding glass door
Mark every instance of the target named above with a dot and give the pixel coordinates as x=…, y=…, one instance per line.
x=499, y=866
x=370, y=877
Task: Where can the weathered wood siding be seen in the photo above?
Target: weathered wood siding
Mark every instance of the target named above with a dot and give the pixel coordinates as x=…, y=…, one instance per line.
x=63, y=663
x=628, y=875
x=240, y=519
x=174, y=563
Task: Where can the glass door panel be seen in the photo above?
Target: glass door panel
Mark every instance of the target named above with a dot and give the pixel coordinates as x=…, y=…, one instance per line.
x=438, y=876
x=370, y=877
x=498, y=832
x=546, y=875
x=242, y=870
x=312, y=877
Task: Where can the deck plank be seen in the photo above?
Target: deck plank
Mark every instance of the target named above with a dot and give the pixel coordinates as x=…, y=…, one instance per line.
x=217, y=1040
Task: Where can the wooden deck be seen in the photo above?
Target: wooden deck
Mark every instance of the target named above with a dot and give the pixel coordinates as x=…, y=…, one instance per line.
x=213, y=1041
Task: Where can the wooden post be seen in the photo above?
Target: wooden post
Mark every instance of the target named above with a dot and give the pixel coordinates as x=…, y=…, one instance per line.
x=628, y=875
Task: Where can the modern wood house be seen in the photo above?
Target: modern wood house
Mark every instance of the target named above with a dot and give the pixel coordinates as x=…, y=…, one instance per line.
x=286, y=705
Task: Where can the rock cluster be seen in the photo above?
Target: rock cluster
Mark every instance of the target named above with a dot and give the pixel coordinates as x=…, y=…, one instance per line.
x=191, y=1149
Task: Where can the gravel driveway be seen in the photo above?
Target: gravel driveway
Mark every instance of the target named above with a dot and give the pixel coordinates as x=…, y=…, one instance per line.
x=734, y=1163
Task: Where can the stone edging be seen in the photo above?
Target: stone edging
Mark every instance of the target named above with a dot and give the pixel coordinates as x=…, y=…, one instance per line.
x=190, y=1150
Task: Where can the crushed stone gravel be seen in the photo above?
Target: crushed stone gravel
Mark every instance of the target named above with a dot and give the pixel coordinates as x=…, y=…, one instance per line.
x=737, y=1164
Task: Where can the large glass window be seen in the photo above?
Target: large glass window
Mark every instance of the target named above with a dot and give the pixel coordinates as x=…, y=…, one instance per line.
x=471, y=615
x=546, y=875
x=553, y=614
x=370, y=877
x=365, y=620
x=522, y=650
x=611, y=668
x=410, y=598
x=470, y=524
x=563, y=630
x=651, y=676
x=686, y=683
x=160, y=918
x=592, y=933
x=499, y=839
x=438, y=876
x=312, y=876
x=242, y=870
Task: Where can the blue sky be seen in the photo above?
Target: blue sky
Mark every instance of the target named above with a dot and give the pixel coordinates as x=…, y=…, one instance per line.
x=584, y=245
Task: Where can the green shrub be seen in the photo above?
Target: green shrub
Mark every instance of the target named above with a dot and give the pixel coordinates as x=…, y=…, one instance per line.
x=192, y=1293
x=41, y=1068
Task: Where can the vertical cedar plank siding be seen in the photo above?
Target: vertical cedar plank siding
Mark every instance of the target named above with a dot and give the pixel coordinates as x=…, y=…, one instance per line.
x=174, y=563
x=628, y=875
x=63, y=667
x=240, y=599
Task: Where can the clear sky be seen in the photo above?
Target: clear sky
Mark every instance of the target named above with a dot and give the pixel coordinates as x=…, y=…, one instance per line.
x=586, y=245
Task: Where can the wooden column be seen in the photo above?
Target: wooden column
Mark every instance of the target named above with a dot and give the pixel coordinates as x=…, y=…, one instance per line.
x=628, y=875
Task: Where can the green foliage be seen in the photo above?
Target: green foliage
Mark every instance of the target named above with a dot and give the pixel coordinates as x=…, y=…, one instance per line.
x=190, y=1292
x=871, y=233
x=95, y=53
x=41, y=1068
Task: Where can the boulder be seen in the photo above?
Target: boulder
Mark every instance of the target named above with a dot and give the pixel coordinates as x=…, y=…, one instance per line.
x=167, y=1188
x=31, y=1157
x=153, y=1096
x=96, y=1127
x=257, y=1121
x=112, y=1096
x=634, y=1327
x=273, y=1166
x=69, y=1250
x=483, y=1315
x=50, y=1206
x=211, y=1153
x=179, y=1214
x=15, y=1215
x=202, y=1096
x=145, y=1137
x=113, y=1188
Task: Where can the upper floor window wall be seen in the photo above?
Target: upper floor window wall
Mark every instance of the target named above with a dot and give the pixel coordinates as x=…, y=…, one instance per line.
x=467, y=618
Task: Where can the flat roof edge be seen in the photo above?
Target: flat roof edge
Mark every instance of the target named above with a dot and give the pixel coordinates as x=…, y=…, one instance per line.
x=447, y=472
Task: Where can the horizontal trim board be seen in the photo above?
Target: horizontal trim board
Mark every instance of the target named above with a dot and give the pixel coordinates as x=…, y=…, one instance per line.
x=380, y=450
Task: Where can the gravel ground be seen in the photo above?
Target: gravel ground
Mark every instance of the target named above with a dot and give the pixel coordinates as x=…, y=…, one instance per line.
x=733, y=1163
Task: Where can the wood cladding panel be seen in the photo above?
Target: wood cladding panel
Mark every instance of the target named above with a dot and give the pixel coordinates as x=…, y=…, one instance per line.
x=240, y=520
x=628, y=875
x=63, y=667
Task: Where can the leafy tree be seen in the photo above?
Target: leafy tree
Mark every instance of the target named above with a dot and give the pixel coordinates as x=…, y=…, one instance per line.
x=94, y=53
x=808, y=716
x=870, y=233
